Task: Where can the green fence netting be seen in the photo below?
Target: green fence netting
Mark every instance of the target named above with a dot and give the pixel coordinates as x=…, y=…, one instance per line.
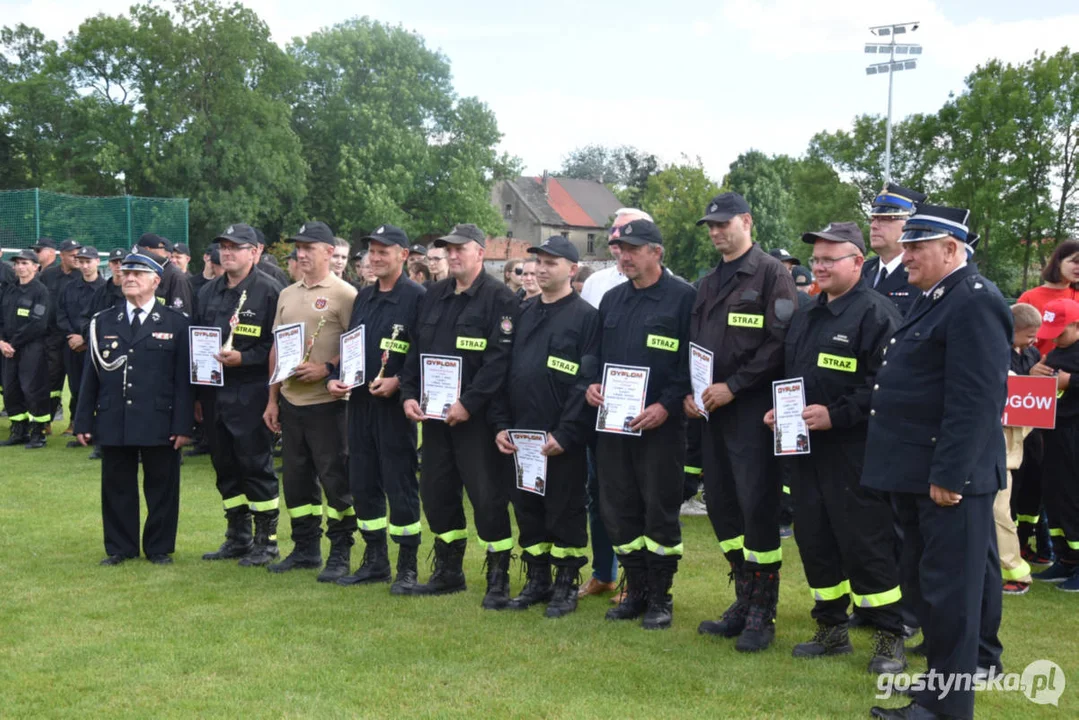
x=104, y=222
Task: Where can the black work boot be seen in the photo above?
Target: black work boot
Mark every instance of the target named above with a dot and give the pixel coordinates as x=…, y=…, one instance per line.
x=264, y=549
x=733, y=620
x=660, y=610
x=828, y=640
x=760, y=628
x=635, y=579
x=889, y=654
x=564, y=595
x=375, y=567
x=448, y=577
x=497, y=596
x=36, y=441
x=537, y=588
x=237, y=537
x=339, y=560
x=20, y=433
x=406, y=582
x=306, y=555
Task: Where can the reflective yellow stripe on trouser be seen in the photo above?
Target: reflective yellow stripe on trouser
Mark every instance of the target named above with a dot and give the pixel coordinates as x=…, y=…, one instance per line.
x=636, y=544
x=1028, y=519
x=690, y=470
x=497, y=545
x=305, y=510
x=265, y=505
x=19, y=418
x=876, y=599
x=537, y=549
x=732, y=544
x=373, y=524
x=452, y=536
x=567, y=552
x=405, y=530
x=764, y=557
x=40, y=418
x=339, y=514
x=831, y=593
x=56, y=393
x=663, y=549
x=234, y=501
x=1017, y=573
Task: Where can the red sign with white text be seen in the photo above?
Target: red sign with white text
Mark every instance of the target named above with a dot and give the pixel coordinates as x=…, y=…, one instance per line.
x=1032, y=402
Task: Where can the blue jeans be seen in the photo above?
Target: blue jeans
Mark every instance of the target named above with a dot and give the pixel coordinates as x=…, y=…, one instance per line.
x=604, y=562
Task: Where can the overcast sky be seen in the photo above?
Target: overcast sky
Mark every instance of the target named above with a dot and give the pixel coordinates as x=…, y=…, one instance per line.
x=708, y=79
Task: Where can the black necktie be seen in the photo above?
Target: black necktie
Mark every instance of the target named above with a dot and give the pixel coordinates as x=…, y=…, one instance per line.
x=135, y=322
x=882, y=276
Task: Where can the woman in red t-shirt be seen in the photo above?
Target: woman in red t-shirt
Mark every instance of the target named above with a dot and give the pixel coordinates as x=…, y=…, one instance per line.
x=1060, y=279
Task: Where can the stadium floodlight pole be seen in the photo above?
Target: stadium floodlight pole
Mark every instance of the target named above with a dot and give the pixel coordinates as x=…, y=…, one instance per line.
x=891, y=66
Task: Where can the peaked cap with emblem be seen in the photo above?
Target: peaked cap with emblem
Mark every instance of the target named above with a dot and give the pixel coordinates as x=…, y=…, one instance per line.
x=932, y=222
x=838, y=232
x=896, y=201
x=558, y=246
x=240, y=234
x=388, y=235
x=314, y=231
x=723, y=207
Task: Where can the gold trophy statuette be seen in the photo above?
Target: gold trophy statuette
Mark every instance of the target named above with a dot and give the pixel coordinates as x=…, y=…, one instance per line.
x=233, y=322
x=397, y=330
x=311, y=342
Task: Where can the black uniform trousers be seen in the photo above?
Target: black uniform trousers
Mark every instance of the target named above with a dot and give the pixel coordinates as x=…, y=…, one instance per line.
x=742, y=483
x=958, y=585
x=1027, y=489
x=26, y=384
x=241, y=447
x=556, y=523
x=54, y=349
x=120, y=498
x=314, y=453
x=1060, y=488
x=845, y=537
x=74, y=363
x=464, y=457
x=694, y=448
x=382, y=465
x=640, y=491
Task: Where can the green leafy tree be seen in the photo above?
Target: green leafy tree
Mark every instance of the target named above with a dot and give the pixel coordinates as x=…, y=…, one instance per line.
x=676, y=197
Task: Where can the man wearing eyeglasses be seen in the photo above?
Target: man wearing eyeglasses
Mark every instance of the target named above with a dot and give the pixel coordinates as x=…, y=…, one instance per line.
x=741, y=315
x=844, y=531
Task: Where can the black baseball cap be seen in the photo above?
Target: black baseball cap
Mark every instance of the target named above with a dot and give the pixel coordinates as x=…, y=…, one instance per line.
x=418, y=249
x=27, y=255
x=70, y=244
x=44, y=242
x=802, y=276
x=391, y=235
x=839, y=232
x=88, y=252
x=723, y=207
x=782, y=255
x=313, y=232
x=240, y=234
x=636, y=232
x=215, y=255
x=181, y=248
x=463, y=233
x=117, y=254
x=154, y=242
x=558, y=246
x=260, y=236
x=292, y=255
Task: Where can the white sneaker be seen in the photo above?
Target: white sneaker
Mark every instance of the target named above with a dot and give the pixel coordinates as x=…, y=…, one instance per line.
x=693, y=506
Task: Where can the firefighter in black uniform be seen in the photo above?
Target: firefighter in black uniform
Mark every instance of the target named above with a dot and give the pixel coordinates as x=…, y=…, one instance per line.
x=885, y=272
x=645, y=324
x=742, y=312
x=381, y=440
x=136, y=401
x=242, y=303
x=555, y=358
x=175, y=288
x=24, y=324
x=106, y=296
x=56, y=278
x=936, y=445
x=7, y=277
x=470, y=316
x=844, y=531
x=75, y=297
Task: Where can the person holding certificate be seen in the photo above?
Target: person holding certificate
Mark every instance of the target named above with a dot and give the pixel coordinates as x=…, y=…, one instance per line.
x=844, y=531
x=640, y=457
x=136, y=402
x=455, y=366
x=311, y=421
x=741, y=314
x=241, y=304
x=555, y=359
x=381, y=440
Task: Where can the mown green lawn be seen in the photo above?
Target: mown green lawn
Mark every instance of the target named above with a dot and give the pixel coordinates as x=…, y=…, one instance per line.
x=200, y=639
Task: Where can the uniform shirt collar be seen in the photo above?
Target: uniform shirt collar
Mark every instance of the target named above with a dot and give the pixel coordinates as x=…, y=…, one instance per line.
x=938, y=283
x=146, y=310
x=892, y=266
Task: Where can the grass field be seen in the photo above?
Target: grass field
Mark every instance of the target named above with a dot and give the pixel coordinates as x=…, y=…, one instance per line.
x=200, y=639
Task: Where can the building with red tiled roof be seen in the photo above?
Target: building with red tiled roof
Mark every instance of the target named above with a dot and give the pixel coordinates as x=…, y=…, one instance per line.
x=535, y=208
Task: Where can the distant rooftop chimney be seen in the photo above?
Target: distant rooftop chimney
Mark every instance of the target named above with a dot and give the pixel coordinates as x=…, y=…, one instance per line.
x=546, y=191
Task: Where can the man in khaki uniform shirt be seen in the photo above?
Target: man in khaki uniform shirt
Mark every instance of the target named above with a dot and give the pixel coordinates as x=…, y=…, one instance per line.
x=313, y=425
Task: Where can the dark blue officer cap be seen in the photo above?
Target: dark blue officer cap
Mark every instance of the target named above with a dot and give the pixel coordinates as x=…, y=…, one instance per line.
x=142, y=263
x=896, y=201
